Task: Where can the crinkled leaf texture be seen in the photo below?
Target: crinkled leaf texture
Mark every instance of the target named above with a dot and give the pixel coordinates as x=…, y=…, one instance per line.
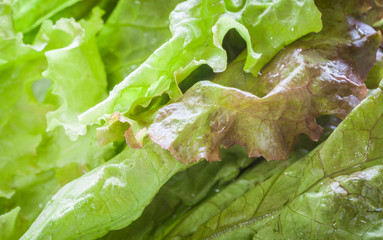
x=315, y=76
x=198, y=28
x=115, y=194
x=35, y=163
x=333, y=192
x=76, y=71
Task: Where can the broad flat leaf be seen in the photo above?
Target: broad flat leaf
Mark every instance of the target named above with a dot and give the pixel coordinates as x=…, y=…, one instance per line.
x=196, y=39
x=181, y=226
x=109, y=197
x=201, y=213
x=177, y=205
x=315, y=76
x=183, y=191
x=333, y=192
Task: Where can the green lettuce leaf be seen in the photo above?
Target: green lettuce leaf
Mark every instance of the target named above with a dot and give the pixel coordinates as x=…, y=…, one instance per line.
x=107, y=198
x=81, y=190
x=181, y=224
x=83, y=9
x=20, y=65
x=85, y=84
x=183, y=191
x=332, y=192
x=24, y=84
x=197, y=40
x=34, y=164
x=309, y=78
x=7, y=223
x=376, y=74
x=131, y=34
x=198, y=215
x=28, y=14
x=134, y=128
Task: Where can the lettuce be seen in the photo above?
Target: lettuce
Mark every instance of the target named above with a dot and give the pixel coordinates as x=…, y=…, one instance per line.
x=319, y=198
x=198, y=28
x=307, y=79
x=233, y=82
x=131, y=34
x=36, y=97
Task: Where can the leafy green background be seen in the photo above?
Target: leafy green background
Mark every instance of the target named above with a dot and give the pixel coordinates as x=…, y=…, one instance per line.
x=60, y=58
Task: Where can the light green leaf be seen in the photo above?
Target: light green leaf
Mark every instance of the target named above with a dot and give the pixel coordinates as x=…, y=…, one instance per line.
x=132, y=33
x=8, y=222
x=29, y=14
x=29, y=155
x=201, y=213
x=109, y=197
x=20, y=65
x=376, y=74
x=183, y=191
x=76, y=71
x=197, y=40
x=330, y=193
x=307, y=79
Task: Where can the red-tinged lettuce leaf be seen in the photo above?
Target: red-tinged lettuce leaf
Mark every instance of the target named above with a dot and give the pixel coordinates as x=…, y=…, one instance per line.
x=118, y=123
x=132, y=130
x=119, y=128
x=319, y=75
x=334, y=192
x=198, y=28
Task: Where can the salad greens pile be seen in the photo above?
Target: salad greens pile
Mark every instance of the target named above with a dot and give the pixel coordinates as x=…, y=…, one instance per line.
x=147, y=119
